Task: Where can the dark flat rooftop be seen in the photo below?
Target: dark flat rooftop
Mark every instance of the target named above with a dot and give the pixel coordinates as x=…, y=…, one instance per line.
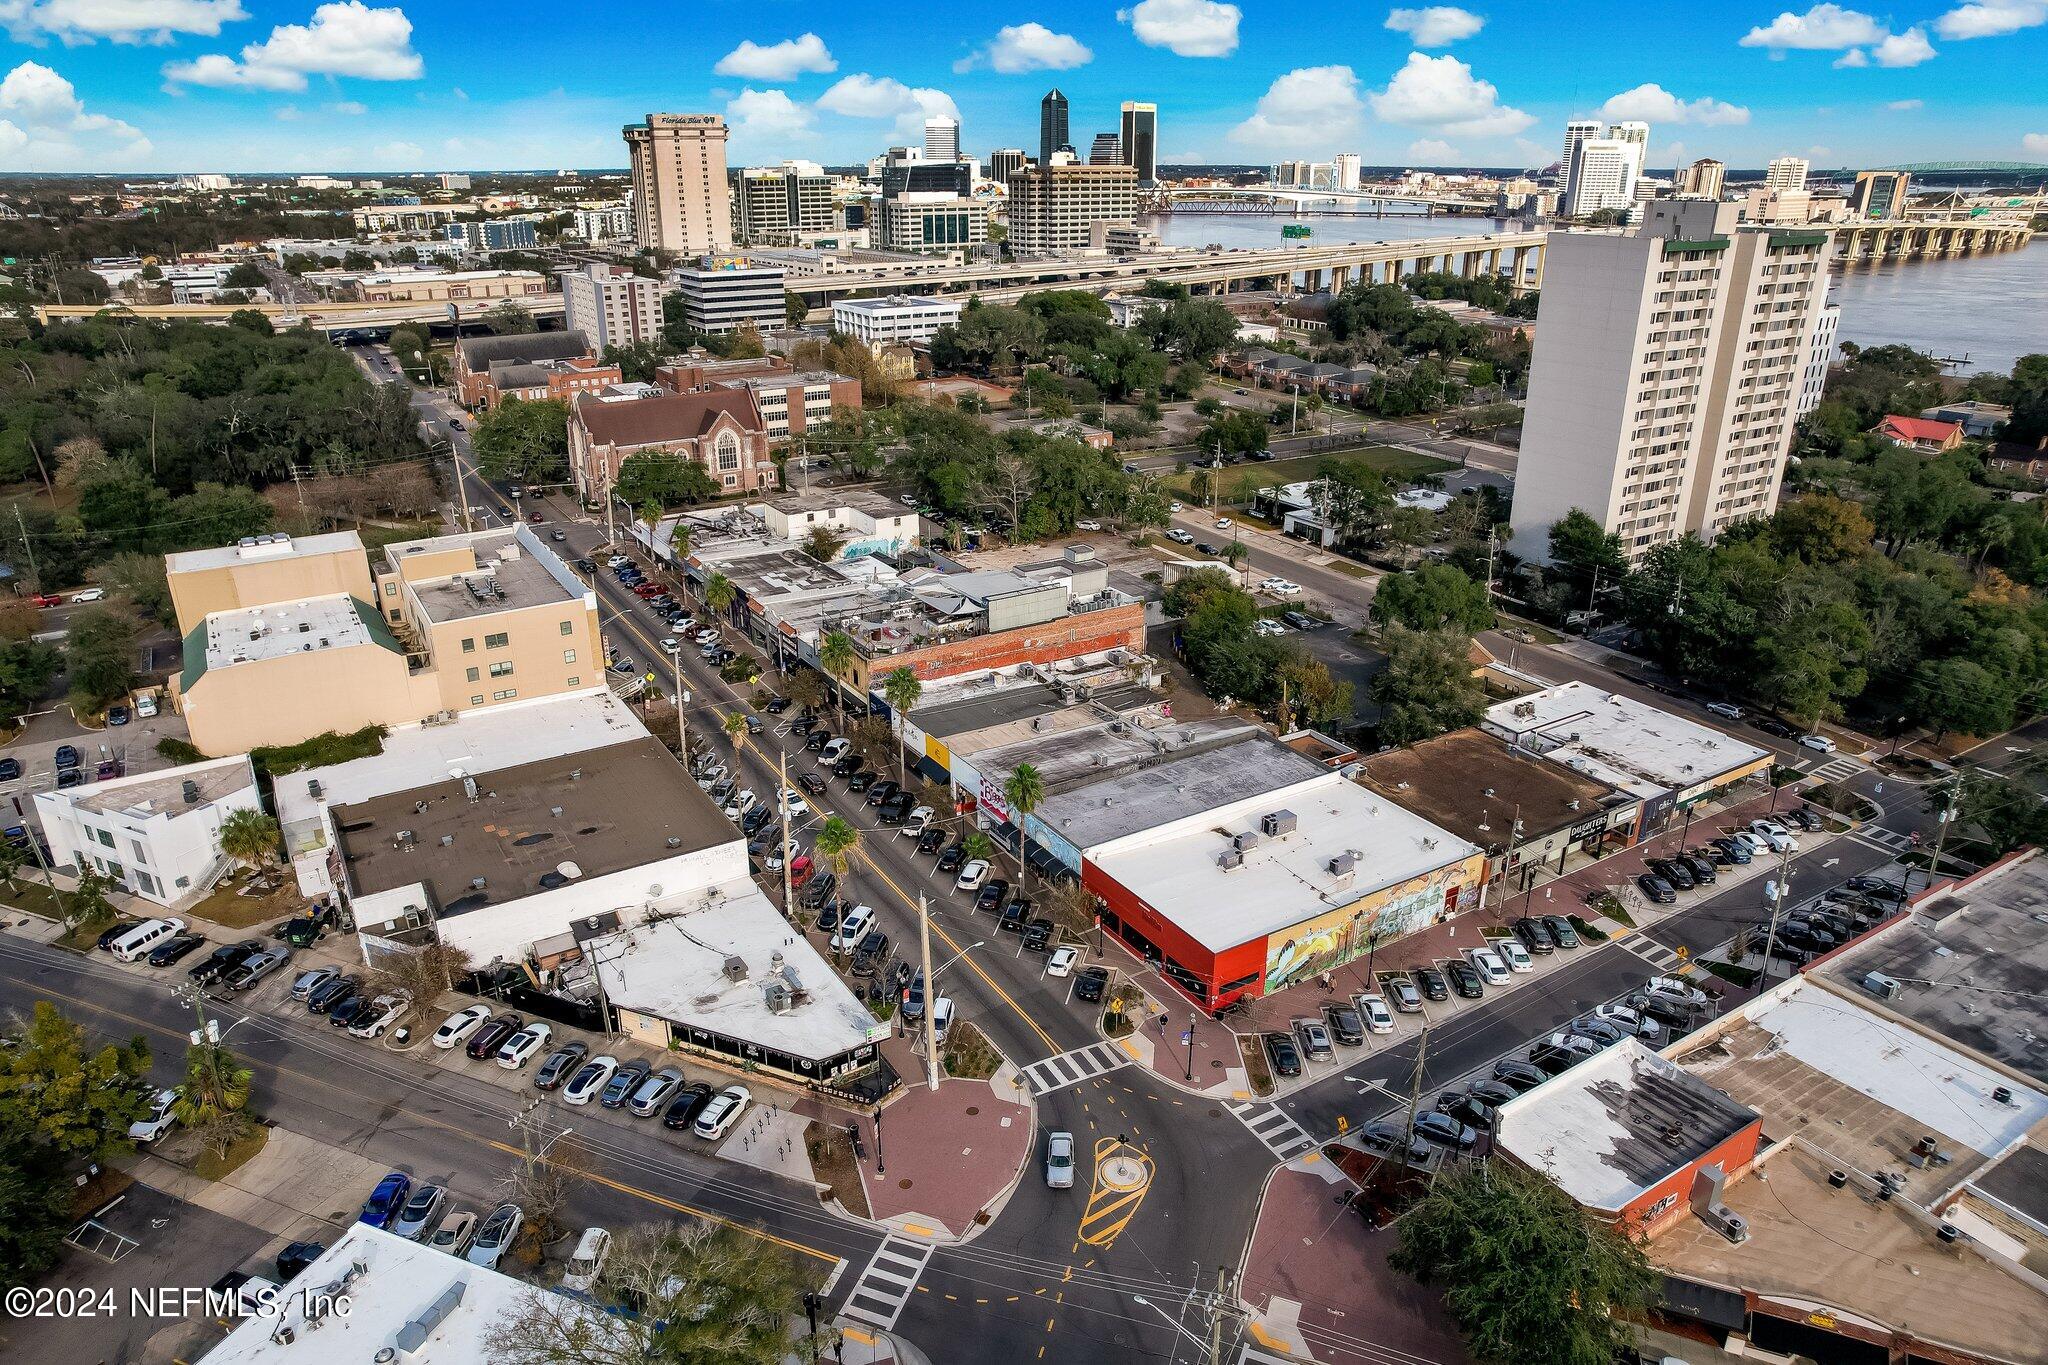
x=969, y=714
x=2018, y=1180
x=604, y=810
x=1468, y=778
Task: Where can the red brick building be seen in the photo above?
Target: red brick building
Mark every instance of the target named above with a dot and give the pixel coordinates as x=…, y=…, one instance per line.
x=719, y=429
x=789, y=400
x=531, y=365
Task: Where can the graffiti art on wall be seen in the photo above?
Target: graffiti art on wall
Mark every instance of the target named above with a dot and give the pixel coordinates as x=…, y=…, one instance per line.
x=1332, y=939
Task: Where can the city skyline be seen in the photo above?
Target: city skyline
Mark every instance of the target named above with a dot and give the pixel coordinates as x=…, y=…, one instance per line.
x=245, y=85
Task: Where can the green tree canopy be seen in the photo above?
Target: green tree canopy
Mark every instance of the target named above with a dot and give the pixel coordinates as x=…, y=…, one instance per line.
x=526, y=441
x=1427, y=687
x=1432, y=597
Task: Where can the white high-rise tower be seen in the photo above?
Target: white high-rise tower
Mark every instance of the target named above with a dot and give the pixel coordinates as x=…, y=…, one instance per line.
x=942, y=139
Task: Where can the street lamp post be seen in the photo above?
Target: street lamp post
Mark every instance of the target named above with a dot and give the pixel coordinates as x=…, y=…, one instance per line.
x=1189, y=1070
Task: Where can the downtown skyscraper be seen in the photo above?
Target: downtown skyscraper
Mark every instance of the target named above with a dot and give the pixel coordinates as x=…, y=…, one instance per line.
x=1052, y=127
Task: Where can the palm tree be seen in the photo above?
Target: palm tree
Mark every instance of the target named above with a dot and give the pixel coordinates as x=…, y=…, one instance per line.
x=976, y=846
x=679, y=541
x=1024, y=791
x=735, y=727
x=719, y=592
x=835, y=652
x=902, y=689
x=838, y=840
x=249, y=837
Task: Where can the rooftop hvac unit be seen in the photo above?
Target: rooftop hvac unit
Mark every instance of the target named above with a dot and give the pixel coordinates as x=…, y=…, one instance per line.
x=735, y=968
x=1882, y=986
x=780, y=998
x=1706, y=1202
x=191, y=792
x=1230, y=858
x=1277, y=823
x=1343, y=864
x=1245, y=841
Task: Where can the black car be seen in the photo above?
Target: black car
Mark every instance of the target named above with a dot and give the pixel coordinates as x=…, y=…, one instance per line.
x=858, y=781
x=931, y=839
x=776, y=705
x=10, y=768
x=1013, y=917
x=623, y=1083
x=488, y=1038
x=1805, y=817
x=1089, y=983
x=1673, y=871
x=954, y=855
x=846, y=765
x=1534, y=936
x=1344, y=1024
x=1553, y=1058
x=359, y=1008
x=114, y=931
x=689, y=1102
x=323, y=997
x=1282, y=1055
x=560, y=1065
x=1386, y=1139
x=1876, y=888
x=1436, y=1126
x=812, y=782
x=1464, y=978
x=882, y=791
x=1037, y=934
x=1599, y=1030
x=66, y=756
x=224, y=960
x=1204, y=547
x=1493, y=1094
x=897, y=808
x=1807, y=938
x=1771, y=725
x=817, y=740
x=1737, y=851
x=1702, y=867
x=173, y=948
x=803, y=725
x=1561, y=930
x=296, y=1258
x=752, y=822
x=1517, y=1074
x=912, y=1007
x=828, y=918
x=1431, y=983
x=1656, y=888
x=867, y=958
x=1787, y=951
x=1671, y=1013
x=992, y=895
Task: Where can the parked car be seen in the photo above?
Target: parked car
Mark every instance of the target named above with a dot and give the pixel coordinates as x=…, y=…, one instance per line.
x=1534, y=936
x=1776, y=836
x=385, y=1010
x=853, y=928
x=1518, y=1074
x=387, y=1200
x=1487, y=963
x=1282, y=1055
x=1314, y=1037
x=651, y=1095
x=1037, y=933
x=972, y=876
x=321, y=996
x=722, y=1112
x=882, y=791
x=66, y=756
x=560, y=1065
x=1737, y=851
x=1390, y=1140
x=586, y=1262
x=422, y=1212
x=1011, y=918
x=1561, y=1051
x=1561, y=931
x=589, y=1080
x=991, y=895
x=157, y=1120
x=623, y=1083
x=255, y=967
x=1725, y=710
x=499, y=1231
x=1059, y=1161
x=1877, y=888
x=867, y=959
x=1434, y=1125
x=460, y=1025
x=1598, y=1031
x=1061, y=961
x=489, y=1037
x=522, y=1046
x=952, y=857
x=220, y=962
x=1464, y=978
x=1820, y=744
x=1630, y=1021
x=1514, y=954
x=1656, y=889
x=455, y=1233
x=1701, y=866
x=1678, y=874
x=1378, y=1018
x=1431, y=983
x=175, y=949
x=1402, y=994
x=1090, y=983
x=685, y=1104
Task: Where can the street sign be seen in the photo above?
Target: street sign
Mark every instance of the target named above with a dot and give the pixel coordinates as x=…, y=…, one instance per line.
x=1682, y=952
x=1295, y=230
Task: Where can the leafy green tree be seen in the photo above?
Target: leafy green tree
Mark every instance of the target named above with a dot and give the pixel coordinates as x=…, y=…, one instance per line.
x=901, y=689
x=2004, y=813
x=65, y=1099
x=86, y=905
x=665, y=480
x=509, y=319
x=244, y=276
x=35, y=1211
x=525, y=441
x=1529, y=1277
x=1234, y=432
x=720, y=593
x=26, y=669
x=823, y=544
x=1580, y=550
x=638, y=361
x=1427, y=687
x=1354, y=496
x=250, y=837
x=1960, y=694
x=1821, y=529
x=99, y=656
x=1190, y=329
x=214, y=1096
x=1309, y=692
x=1433, y=597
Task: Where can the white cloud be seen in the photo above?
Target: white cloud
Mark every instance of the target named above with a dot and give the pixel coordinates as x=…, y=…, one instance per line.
x=783, y=61
x=73, y=22
x=1655, y=104
x=1442, y=93
x=397, y=155
x=1436, y=26
x=289, y=113
x=1307, y=106
x=1432, y=151
x=1992, y=18
x=346, y=38
x=865, y=96
x=1823, y=28
x=1904, y=49
x=41, y=114
x=2036, y=143
x=348, y=108
x=1855, y=56
x=1017, y=48
x=1904, y=106
x=1188, y=28
x=766, y=114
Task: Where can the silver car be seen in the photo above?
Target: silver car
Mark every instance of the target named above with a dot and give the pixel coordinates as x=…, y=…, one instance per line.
x=421, y=1213
x=454, y=1233
x=651, y=1094
x=1059, y=1161
x=256, y=968
x=496, y=1236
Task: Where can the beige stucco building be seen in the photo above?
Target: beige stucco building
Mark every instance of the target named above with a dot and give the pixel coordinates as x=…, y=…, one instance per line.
x=288, y=639
x=682, y=200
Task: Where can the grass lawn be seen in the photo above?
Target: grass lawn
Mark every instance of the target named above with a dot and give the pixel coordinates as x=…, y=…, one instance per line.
x=231, y=911
x=31, y=898
x=1400, y=465
x=376, y=537
x=212, y=1167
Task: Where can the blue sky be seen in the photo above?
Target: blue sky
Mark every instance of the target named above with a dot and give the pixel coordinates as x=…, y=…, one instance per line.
x=246, y=85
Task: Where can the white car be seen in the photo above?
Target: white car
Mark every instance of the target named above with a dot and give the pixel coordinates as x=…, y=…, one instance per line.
x=1062, y=961
x=1378, y=1018
x=1754, y=842
x=520, y=1048
x=587, y=1261
x=159, y=1120
x=1180, y=537
x=723, y=1111
x=942, y=1017
x=833, y=752
x=1223, y=523
x=742, y=802
x=390, y=1008
x=915, y=822
x=1818, y=743
x=795, y=803
x=1776, y=835
x=1059, y=1161
x=496, y=1236
x=460, y=1025
x=594, y=1075
x=1514, y=954
x=1173, y=507
x=89, y=595
x=1631, y=1021
x=706, y=636
x=671, y=645
x=1491, y=969
x=853, y=928
x=1679, y=989
x=972, y=876
x=1087, y=524
x=1266, y=625
x=1284, y=588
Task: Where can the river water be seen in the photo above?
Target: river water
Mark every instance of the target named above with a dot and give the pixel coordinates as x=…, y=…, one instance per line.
x=1992, y=308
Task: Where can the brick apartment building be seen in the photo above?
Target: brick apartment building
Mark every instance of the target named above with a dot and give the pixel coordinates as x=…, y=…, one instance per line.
x=489, y=369
x=789, y=400
x=720, y=429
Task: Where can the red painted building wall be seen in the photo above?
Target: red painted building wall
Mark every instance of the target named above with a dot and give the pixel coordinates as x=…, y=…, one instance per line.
x=1212, y=968
x=1092, y=632
x=1734, y=1155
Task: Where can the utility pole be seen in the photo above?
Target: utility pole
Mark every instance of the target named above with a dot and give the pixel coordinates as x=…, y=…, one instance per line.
x=35, y=575
x=1216, y=1317
x=1778, y=893
x=1414, y=1094
x=931, y=994
x=675, y=668
x=1943, y=818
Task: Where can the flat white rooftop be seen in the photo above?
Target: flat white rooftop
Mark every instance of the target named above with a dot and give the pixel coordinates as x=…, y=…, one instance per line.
x=1619, y=740
x=253, y=634
x=1177, y=869
x=259, y=549
x=429, y=1307
x=144, y=795
x=676, y=968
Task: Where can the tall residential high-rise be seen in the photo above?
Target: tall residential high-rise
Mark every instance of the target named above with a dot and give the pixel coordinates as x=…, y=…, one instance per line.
x=942, y=139
x=1820, y=354
x=1705, y=178
x=1005, y=162
x=1786, y=173
x=1056, y=208
x=1604, y=174
x=1106, y=151
x=1576, y=131
x=610, y=305
x=1667, y=374
x=1052, y=127
x=681, y=201
x=780, y=203
x=1879, y=194
x=1139, y=135
x=1349, y=170
x=1634, y=131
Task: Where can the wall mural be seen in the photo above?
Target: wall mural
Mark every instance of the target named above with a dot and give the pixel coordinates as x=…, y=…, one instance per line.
x=1330, y=940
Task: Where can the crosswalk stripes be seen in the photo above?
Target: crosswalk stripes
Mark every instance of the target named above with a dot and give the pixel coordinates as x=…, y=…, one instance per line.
x=1652, y=952
x=1275, y=1129
x=1071, y=1068
x=1837, y=770
x=886, y=1285
x=1890, y=840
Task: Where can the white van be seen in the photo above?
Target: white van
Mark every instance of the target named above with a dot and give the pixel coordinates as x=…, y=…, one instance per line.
x=588, y=1261
x=145, y=704
x=144, y=937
